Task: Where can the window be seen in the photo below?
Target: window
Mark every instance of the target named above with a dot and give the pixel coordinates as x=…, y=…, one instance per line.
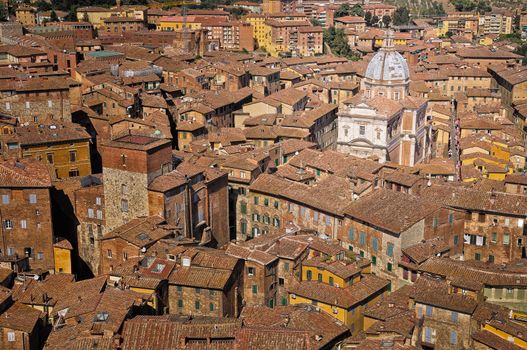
x=276, y=222
x=328, y=220
x=8, y=224
x=73, y=156
x=124, y=205
x=477, y=256
x=389, y=250
x=90, y=213
x=243, y=227
x=309, y=275
x=374, y=244
x=197, y=305
x=374, y=260
x=389, y=267
x=435, y=222
x=453, y=337
x=454, y=316
x=179, y=288
x=109, y=253
x=362, y=238
x=255, y=289
x=429, y=310
x=211, y=307
x=33, y=198
x=98, y=200
x=276, y=204
x=251, y=271
x=428, y=334
x=450, y=218
x=456, y=239
x=198, y=290
x=494, y=237
x=286, y=267
x=362, y=130
x=49, y=157
x=331, y=282
x=99, y=214
x=11, y=336
x=40, y=256
x=180, y=303
x=256, y=200
x=320, y=277
x=124, y=189
x=506, y=239
x=23, y=224
x=351, y=234
x=73, y=172
x=266, y=202
x=5, y=199
x=10, y=251
x=243, y=208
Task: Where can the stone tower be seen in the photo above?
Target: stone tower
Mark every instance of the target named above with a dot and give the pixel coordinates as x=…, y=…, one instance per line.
x=130, y=163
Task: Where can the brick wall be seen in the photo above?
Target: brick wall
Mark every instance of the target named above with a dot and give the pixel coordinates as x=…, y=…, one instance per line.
x=36, y=218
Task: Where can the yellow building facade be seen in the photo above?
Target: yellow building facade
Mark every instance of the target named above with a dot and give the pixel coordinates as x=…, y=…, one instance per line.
x=68, y=159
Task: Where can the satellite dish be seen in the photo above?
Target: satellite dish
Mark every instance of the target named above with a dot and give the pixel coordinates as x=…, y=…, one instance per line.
x=36, y=277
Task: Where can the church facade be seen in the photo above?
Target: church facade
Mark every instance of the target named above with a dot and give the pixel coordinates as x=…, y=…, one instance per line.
x=383, y=121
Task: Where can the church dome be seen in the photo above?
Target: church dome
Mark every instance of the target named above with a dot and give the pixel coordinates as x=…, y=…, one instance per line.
x=387, y=64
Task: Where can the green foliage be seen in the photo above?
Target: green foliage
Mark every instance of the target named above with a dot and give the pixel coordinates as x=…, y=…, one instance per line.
x=343, y=10
x=368, y=17
x=337, y=41
x=434, y=9
x=135, y=2
x=53, y=16
x=386, y=20
x=3, y=13
x=237, y=12
x=401, y=16
x=42, y=6
x=315, y=22
x=479, y=6
x=522, y=50
x=357, y=10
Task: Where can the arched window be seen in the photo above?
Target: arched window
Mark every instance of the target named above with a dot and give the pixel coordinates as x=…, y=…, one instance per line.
x=276, y=222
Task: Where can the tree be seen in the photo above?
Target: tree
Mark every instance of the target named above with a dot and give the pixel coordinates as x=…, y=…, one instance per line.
x=357, y=10
x=401, y=16
x=53, y=16
x=479, y=6
x=85, y=17
x=367, y=17
x=315, y=22
x=237, y=12
x=386, y=20
x=3, y=13
x=343, y=10
x=43, y=6
x=522, y=50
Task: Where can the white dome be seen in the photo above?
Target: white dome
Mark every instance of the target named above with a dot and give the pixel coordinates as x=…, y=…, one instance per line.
x=388, y=64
